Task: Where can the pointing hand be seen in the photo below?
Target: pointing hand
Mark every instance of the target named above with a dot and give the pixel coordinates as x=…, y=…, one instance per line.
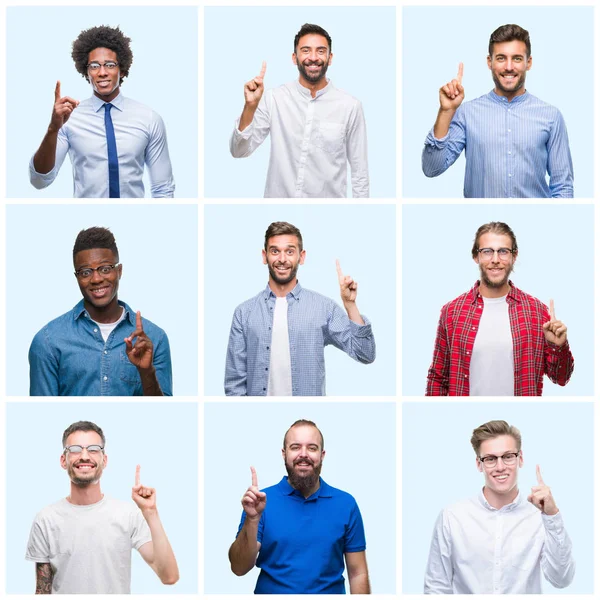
x=253, y=90
x=63, y=107
x=254, y=501
x=348, y=287
x=144, y=497
x=140, y=353
x=555, y=331
x=541, y=496
x=453, y=93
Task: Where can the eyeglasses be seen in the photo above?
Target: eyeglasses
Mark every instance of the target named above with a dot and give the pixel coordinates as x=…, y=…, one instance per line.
x=93, y=449
x=503, y=253
x=102, y=270
x=490, y=461
x=109, y=65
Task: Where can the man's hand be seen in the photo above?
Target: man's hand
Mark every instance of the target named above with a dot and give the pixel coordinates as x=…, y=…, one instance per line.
x=141, y=353
x=253, y=90
x=555, y=331
x=348, y=287
x=452, y=94
x=541, y=496
x=254, y=501
x=144, y=497
x=63, y=107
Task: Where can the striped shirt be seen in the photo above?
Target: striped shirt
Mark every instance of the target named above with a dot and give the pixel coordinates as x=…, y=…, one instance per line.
x=314, y=322
x=509, y=148
x=533, y=355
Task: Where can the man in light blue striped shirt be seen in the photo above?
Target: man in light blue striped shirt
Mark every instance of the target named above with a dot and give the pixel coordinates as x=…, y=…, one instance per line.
x=277, y=339
x=511, y=138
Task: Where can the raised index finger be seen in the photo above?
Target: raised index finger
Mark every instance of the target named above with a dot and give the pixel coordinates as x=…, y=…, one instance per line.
x=138, y=321
x=254, y=477
x=338, y=268
x=263, y=69
x=460, y=72
x=137, y=475
x=552, y=315
x=538, y=474
x=57, y=92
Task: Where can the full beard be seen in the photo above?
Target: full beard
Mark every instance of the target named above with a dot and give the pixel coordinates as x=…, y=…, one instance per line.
x=513, y=90
x=313, y=78
x=495, y=284
x=277, y=278
x=303, y=483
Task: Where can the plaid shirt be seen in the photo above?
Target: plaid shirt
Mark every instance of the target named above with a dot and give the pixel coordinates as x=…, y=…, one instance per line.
x=533, y=355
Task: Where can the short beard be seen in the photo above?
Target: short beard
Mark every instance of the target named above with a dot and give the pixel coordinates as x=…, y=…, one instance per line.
x=282, y=281
x=80, y=482
x=506, y=90
x=303, y=483
x=493, y=284
x=312, y=78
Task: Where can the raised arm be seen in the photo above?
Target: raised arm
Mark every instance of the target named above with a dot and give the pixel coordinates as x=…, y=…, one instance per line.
x=243, y=552
x=44, y=576
x=157, y=553
x=558, y=360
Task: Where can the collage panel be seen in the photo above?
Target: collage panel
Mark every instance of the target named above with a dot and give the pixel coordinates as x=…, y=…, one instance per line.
x=345, y=258
x=312, y=540
x=77, y=532
x=455, y=347
x=536, y=145
x=67, y=341
x=338, y=143
x=529, y=528
x=86, y=53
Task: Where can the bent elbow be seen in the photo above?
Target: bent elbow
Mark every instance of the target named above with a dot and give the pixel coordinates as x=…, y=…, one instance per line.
x=170, y=579
x=237, y=570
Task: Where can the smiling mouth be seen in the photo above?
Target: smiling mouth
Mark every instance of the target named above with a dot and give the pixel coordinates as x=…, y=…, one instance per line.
x=99, y=292
x=85, y=467
x=501, y=478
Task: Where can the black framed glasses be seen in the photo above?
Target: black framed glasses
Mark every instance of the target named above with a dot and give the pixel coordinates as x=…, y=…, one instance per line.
x=92, y=449
x=508, y=458
x=87, y=272
x=503, y=253
x=109, y=65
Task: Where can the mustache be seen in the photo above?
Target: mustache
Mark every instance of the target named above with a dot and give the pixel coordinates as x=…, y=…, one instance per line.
x=85, y=462
x=307, y=460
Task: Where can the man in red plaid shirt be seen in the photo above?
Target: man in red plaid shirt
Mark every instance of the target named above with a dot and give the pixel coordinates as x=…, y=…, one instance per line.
x=505, y=349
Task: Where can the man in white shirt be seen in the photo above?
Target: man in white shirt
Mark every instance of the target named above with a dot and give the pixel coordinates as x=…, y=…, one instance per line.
x=499, y=541
x=315, y=128
x=82, y=543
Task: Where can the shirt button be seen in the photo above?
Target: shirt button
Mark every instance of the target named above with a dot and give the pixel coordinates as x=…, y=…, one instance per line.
x=267, y=347
x=266, y=368
x=106, y=352
x=468, y=352
x=105, y=378
x=510, y=174
x=509, y=152
x=509, y=131
x=473, y=328
x=95, y=331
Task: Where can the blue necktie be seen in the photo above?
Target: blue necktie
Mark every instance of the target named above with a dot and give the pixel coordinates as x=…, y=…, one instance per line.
x=113, y=159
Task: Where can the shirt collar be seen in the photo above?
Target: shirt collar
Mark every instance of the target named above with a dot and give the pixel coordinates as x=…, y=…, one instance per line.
x=504, y=100
x=514, y=293
x=295, y=293
x=514, y=504
x=79, y=311
x=286, y=489
x=303, y=91
x=118, y=102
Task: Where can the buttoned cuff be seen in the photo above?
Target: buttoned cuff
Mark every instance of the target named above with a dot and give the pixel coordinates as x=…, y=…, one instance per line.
x=553, y=523
x=432, y=141
x=41, y=180
x=564, y=349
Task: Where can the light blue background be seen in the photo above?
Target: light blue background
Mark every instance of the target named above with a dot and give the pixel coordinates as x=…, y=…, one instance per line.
x=135, y=434
x=158, y=249
x=360, y=459
x=436, y=39
x=557, y=436
x=164, y=76
x=362, y=237
x=556, y=260
x=237, y=40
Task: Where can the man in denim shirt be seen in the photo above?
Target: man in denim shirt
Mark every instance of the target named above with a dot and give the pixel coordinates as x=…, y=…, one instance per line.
x=101, y=347
x=277, y=339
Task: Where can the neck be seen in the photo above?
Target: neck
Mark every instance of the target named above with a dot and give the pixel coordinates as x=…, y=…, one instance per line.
x=313, y=87
x=510, y=95
x=83, y=495
x=493, y=292
x=105, y=314
x=500, y=500
x=281, y=290
x=310, y=491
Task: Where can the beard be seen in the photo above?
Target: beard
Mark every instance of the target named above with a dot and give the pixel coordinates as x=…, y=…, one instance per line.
x=512, y=90
x=312, y=77
x=303, y=482
x=277, y=278
x=82, y=479
x=495, y=284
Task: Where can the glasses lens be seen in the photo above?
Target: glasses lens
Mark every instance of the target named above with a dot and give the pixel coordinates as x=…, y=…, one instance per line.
x=94, y=66
x=84, y=273
x=94, y=449
x=489, y=461
x=75, y=449
x=110, y=64
x=509, y=459
x=105, y=269
x=487, y=252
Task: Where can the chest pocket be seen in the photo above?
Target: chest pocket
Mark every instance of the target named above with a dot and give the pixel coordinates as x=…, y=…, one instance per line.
x=330, y=137
x=127, y=371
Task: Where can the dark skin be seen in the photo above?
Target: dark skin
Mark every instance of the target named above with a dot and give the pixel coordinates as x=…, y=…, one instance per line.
x=43, y=578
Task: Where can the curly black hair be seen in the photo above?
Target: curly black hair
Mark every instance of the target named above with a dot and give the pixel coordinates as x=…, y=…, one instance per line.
x=95, y=237
x=102, y=37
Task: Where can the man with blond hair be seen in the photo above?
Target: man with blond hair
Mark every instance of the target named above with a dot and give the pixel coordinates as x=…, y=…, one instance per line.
x=500, y=542
x=302, y=530
x=496, y=340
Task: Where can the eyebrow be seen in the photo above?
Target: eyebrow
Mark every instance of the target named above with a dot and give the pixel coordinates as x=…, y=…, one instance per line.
x=309, y=47
x=277, y=247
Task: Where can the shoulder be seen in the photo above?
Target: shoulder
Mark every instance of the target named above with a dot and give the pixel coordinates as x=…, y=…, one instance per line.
x=457, y=303
x=315, y=297
x=535, y=102
x=120, y=507
x=345, y=97
x=57, y=324
x=250, y=304
x=149, y=327
x=48, y=513
x=340, y=496
x=529, y=301
x=143, y=112
x=461, y=509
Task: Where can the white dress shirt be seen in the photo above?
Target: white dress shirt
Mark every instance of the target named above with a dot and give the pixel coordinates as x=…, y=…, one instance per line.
x=477, y=549
x=141, y=139
x=311, y=141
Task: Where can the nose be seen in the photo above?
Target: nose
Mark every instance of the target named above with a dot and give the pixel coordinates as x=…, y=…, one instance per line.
x=84, y=452
x=96, y=276
x=102, y=70
x=509, y=64
x=500, y=466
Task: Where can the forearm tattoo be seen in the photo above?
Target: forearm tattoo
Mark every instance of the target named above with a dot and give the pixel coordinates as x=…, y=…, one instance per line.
x=43, y=577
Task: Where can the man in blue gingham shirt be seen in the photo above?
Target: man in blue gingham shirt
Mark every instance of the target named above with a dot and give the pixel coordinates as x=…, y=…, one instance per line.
x=277, y=339
x=511, y=138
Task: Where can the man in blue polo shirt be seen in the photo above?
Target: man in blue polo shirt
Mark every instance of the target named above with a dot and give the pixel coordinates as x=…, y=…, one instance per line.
x=300, y=538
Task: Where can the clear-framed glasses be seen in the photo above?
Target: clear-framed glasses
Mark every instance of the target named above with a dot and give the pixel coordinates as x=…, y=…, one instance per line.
x=87, y=272
x=109, y=65
x=490, y=461
x=488, y=253
x=93, y=449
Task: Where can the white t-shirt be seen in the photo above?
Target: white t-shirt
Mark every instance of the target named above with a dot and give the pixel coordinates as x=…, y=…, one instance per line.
x=280, y=364
x=492, y=362
x=88, y=547
x=107, y=328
